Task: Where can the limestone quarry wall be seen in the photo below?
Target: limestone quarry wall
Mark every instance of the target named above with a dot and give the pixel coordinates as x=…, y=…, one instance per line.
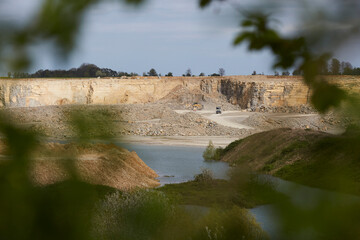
x=246, y=91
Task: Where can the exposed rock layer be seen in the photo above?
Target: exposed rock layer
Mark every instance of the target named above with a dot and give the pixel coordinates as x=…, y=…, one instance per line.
x=245, y=91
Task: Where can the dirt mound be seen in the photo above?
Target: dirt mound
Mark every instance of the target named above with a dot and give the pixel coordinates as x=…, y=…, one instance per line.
x=100, y=164
x=266, y=122
x=305, y=156
x=260, y=148
x=128, y=119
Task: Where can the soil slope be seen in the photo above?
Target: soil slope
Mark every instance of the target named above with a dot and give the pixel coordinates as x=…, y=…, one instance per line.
x=305, y=156
x=100, y=164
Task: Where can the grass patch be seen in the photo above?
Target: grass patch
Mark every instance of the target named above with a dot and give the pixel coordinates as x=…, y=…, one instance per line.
x=208, y=194
x=231, y=146
x=221, y=193
x=294, y=146
x=243, y=159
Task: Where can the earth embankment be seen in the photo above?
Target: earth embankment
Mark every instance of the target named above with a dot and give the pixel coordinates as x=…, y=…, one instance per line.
x=100, y=164
x=308, y=157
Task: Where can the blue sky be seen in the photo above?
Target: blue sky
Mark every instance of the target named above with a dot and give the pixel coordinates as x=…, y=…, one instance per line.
x=168, y=35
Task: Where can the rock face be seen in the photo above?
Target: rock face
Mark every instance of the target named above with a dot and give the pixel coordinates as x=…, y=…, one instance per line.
x=245, y=91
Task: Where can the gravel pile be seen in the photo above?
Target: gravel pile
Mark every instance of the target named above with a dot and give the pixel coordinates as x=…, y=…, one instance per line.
x=136, y=119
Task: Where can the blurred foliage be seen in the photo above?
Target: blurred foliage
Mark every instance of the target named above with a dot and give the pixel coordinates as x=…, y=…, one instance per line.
x=30, y=212
x=151, y=215
x=91, y=124
x=65, y=211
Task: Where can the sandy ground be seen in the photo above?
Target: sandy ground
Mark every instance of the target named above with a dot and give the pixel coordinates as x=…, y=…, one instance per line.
x=190, y=141
x=229, y=118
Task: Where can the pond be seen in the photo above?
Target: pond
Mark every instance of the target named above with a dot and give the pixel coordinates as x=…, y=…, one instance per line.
x=175, y=164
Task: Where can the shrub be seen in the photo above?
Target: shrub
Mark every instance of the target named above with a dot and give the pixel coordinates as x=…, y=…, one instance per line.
x=212, y=153
x=205, y=176
x=235, y=223
x=209, y=152
x=132, y=215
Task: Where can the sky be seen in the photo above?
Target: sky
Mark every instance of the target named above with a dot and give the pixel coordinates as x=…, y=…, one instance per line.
x=168, y=35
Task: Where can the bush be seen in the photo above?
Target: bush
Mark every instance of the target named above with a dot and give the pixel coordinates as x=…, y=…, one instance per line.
x=205, y=176
x=132, y=215
x=235, y=223
x=212, y=153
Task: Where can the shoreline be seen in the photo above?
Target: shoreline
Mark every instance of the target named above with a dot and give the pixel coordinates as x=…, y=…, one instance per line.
x=185, y=141
x=181, y=141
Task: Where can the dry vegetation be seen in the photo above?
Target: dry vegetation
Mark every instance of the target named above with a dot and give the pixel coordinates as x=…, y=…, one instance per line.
x=99, y=164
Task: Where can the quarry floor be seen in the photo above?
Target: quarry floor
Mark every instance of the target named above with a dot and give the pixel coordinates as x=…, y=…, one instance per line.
x=156, y=123
x=252, y=121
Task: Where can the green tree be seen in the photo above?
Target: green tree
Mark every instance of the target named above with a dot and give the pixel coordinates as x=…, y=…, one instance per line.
x=209, y=152
x=188, y=73
x=346, y=68
x=335, y=66
x=152, y=73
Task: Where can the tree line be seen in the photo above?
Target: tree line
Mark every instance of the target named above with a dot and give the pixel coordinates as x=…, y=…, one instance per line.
x=87, y=70
x=334, y=67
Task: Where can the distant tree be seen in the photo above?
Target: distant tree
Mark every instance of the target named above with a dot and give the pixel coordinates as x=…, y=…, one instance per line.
x=169, y=74
x=221, y=71
x=152, y=73
x=323, y=67
x=297, y=72
x=355, y=71
x=9, y=74
x=346, y=68
x=253, y=73
x=144, y=74
x=215, y=75
x=100, y=74
x=188, y=72
x=285, y=73
x=201, y=74
x=335, y=66
x=276, y=73
x=88, y=70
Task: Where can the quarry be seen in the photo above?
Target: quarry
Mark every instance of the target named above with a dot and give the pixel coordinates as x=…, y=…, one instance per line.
x=163, y=106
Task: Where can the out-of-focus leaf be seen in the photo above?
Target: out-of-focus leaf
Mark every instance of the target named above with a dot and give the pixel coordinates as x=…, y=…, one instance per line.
x=134, y=2
x=204, y=3
x=241, y=37
x=326, y=95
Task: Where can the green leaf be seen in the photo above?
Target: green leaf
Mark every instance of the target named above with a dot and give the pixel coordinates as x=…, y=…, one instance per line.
x=204, y=3
x=326, y=95
x=240, y=38
x=247, y=23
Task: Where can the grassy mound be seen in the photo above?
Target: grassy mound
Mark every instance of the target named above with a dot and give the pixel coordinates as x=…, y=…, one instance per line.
x=305, y=156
